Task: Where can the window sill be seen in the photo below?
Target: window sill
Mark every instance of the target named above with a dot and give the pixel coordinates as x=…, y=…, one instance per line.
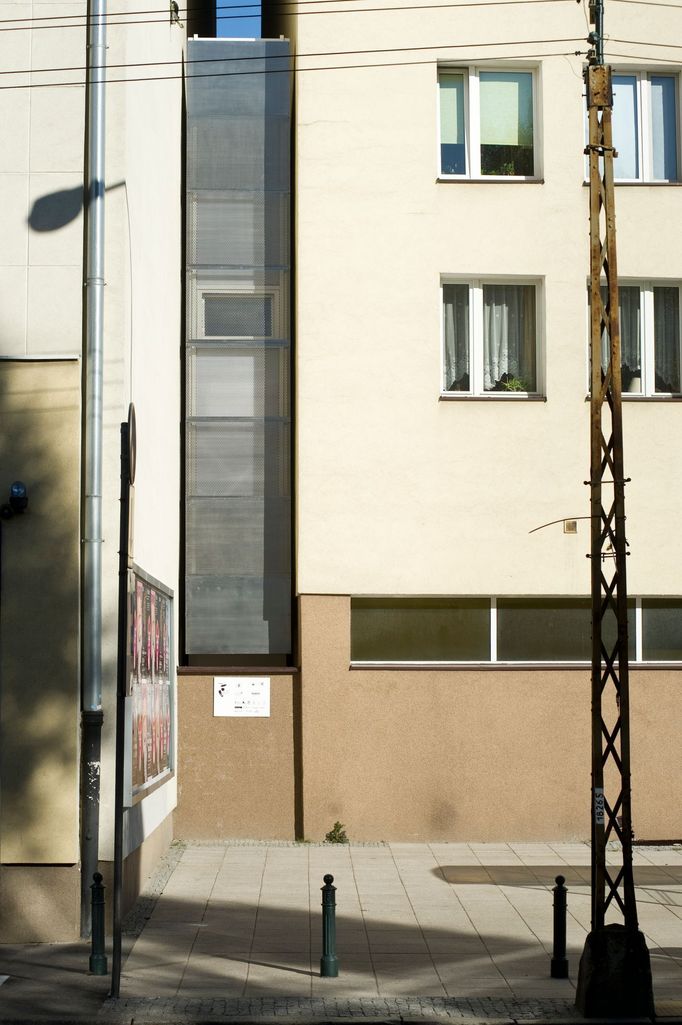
x=487, y=667
x=490, y=180
x=641, y=185
x=634, y=397
x=490, y=397
x=237, y=670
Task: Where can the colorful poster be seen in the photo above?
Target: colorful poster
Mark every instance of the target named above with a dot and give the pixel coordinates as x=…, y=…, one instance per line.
x=150, y=681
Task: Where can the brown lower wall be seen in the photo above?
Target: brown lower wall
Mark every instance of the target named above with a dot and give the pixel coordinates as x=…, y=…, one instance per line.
x=467, y=754
x=235, y=776
x=39, y=903
x=414, y=755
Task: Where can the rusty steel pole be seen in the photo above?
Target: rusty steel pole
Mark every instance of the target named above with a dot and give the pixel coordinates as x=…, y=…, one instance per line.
x=615, y=973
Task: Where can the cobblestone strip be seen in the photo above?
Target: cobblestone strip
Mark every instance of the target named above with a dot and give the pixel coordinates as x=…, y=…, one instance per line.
x=319, y=1009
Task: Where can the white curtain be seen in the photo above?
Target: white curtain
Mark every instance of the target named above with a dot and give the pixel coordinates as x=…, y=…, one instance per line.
x=630, y=331
x=667, y=339
x=456, y=331
x=630, y=328
x=509, y=337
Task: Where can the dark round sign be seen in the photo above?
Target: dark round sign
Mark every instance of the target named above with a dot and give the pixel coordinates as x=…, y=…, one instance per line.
x=132, y=443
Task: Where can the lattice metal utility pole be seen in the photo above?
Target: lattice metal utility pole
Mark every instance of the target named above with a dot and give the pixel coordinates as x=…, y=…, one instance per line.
x=615, y=974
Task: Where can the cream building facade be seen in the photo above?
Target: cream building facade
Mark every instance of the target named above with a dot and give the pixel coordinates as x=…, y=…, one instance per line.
x=441, y=534
x=432, y=680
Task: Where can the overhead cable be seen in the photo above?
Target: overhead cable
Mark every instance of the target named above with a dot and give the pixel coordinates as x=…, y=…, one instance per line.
x=286, y=71
x=285, y=57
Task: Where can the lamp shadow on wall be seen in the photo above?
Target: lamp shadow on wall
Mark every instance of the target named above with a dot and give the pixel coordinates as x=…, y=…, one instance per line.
x=57, y=209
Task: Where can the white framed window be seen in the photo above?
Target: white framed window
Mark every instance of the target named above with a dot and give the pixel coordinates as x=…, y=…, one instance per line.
x=650, y=332
x=490, y=331
x=646, y=126
x=488, y=123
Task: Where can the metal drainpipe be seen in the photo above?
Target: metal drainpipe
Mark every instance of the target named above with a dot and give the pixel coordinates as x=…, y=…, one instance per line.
x=92, y=716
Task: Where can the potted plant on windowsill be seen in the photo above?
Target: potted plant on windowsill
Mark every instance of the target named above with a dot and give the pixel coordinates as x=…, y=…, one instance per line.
x=509, y=382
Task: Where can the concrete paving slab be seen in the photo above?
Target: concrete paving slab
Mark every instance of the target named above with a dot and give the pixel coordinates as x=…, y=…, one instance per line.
x=213, y=975
x=432, y=922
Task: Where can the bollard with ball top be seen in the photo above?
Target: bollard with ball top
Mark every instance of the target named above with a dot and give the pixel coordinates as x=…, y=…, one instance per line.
x=329, y=965
x=559, y=966
x=98, y=957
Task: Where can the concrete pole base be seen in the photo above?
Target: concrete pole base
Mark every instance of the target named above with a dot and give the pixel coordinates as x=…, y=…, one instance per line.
x=614, y=978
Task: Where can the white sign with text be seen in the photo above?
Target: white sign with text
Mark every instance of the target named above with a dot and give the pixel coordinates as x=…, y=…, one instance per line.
x=241, y=696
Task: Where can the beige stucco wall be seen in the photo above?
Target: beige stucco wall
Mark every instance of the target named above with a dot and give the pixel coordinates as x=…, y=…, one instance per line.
x=467, y=754
x=41, y=297
x=142, y=337
x=39, y=633
x=236, y=776
x=399, y=492
x=42, y=156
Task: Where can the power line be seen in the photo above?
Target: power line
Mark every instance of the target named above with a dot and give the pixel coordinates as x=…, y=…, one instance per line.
x=642, y=42
x=286, y=57
x=286, y=71
x=22, y=24
x=276, y=3
x=629, y=56
x=651, y=3
x=163, y=17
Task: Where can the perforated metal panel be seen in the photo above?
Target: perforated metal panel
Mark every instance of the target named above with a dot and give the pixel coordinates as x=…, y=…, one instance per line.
x=238, y=520
x=244, y=229
x=245, y=457
x=240, y=543
x=238, y=381
x=237, y=146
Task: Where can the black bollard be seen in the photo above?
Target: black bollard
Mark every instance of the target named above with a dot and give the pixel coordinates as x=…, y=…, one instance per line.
x=98, y=958
x=329, y=965
x=559, y=968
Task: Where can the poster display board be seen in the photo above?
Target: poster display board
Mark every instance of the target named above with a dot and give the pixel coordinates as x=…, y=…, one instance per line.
x=150, y=683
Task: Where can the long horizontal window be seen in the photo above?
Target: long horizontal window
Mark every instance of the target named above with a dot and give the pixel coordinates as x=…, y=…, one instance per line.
x=415, y=629
x=505, y=630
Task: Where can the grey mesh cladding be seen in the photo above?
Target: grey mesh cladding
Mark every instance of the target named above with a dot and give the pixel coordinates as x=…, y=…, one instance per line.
x=238, y=350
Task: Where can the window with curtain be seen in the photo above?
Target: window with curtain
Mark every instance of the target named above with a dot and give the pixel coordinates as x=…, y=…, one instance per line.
x=645, y=126
x=666, y=339
x=490, y=338
x=650, y=338
x=487, y=123
x=630, y=311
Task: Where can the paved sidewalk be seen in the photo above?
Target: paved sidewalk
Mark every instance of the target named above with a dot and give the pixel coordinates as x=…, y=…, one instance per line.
x=423, y=931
